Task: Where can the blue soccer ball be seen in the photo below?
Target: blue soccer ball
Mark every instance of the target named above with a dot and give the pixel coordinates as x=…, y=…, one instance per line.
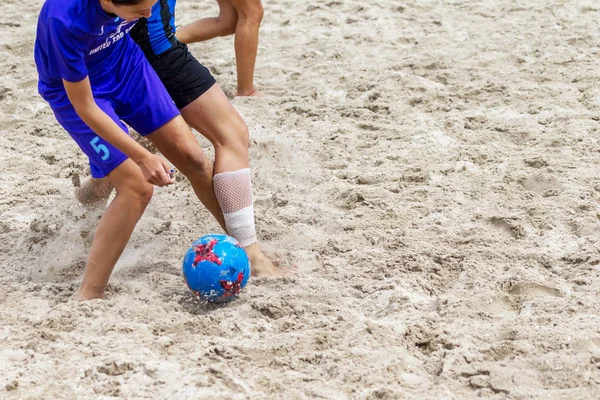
x=216, y=268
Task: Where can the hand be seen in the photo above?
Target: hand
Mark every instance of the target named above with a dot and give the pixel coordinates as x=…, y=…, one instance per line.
x=156, y=171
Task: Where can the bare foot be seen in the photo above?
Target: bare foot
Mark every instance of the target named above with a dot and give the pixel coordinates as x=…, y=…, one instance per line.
x=263, y=266
x=93, y=192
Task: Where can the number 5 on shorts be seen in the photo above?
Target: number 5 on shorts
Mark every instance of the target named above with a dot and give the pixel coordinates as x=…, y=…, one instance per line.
x=100, y=148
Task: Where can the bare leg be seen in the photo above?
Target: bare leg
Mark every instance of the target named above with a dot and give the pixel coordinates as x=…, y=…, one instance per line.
x=213, y=115
x=209, y=28
x=115, y=228
x=176, y=142
x=250, y=13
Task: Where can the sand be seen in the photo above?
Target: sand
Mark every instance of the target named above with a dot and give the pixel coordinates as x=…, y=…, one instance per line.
x=432, y=168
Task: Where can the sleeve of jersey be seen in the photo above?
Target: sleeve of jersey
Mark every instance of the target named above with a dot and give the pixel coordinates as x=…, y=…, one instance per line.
x=65, y=52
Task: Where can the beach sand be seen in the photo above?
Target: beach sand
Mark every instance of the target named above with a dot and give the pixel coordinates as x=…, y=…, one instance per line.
x=432, y=167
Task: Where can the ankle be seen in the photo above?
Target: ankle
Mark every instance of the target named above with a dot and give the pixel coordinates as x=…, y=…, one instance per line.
x=253, y=251
x=242, y=92
x=89, y=293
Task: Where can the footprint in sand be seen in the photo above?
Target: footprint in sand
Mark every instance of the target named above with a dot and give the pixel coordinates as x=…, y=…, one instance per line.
x=501, y=305
x=541, y=185
x=530, y=289
x=508, y=227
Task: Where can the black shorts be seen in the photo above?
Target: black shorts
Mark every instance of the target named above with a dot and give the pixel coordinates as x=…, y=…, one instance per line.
x=183, y=76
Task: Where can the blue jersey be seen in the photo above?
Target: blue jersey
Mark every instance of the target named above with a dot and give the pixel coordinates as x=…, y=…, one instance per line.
x=77, y=38
x=156, y=34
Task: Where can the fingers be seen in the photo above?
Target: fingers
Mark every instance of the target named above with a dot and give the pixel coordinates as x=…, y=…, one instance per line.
x=158, y=173
x=168, y=173
x=159, y=177
x=165, y=179
x=169, y=170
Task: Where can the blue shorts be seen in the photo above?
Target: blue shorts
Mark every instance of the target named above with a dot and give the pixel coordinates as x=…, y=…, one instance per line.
x=130, y=93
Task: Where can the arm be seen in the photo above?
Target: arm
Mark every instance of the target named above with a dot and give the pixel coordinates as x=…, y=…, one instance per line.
x=155, y=170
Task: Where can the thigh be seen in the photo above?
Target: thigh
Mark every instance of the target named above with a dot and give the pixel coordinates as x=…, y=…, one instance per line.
x=103, y=156
x=215, y=118
x=183, y=76
x=127, y=176
x=177, y=143
x=142, y=100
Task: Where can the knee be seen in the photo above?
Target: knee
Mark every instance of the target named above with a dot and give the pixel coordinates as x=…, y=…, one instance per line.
x=252, y=15
x=196, y=164
x=236, y=138
x=255, y=14
x=141, y=193
x=242, y=136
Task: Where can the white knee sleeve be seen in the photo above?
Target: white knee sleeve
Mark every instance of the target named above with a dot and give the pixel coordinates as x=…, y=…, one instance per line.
x=234, y=193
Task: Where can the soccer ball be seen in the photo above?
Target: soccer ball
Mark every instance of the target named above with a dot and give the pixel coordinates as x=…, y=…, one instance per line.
x=216, y=268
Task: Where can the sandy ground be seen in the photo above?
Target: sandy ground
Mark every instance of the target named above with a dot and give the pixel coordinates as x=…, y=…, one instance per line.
x=432, y=167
